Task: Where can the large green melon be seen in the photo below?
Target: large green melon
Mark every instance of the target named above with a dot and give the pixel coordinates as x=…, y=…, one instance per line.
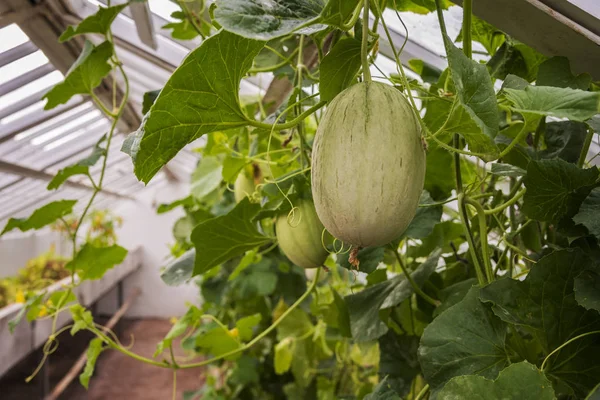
x=368, y=165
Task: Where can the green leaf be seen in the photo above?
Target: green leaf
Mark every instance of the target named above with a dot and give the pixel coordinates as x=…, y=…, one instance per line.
x=454, y=294
x=266, y=20
x=249, y=258
x=218, y=341
x=439, y=175
x=188, y=108
x=521, y=381
x=338, y=12
x=476, y=115
x=418, y=6
x=246, y=324
x=556, y=71
x=92, y=354
x=556, y=189
x=179, y=271
x=383, y=391
x=92, y=262
x=284, y=354
x=426, y=218
x=41, y=217
x=517, y=59
x=594, y=394
x=545, y=304
x=587, y=290
x=489, y=36
x=589, y=213
x=339, y=68
x=444, y=235
x=245, y=371
x=369, y=258
x=507, y=170
x=398, y=360
x=84, y=75
x=364, y=307
x=24, y=311
x=149, y=99
x=65, y=173
x=82, y=318
x=96, y=23
x=166, y=207
x=576, y=105
x=183, y=29
x=81, y=167
x=207, y=177
x=232, y=165
x=465, y=339
x=564, y=140
x=222, y=238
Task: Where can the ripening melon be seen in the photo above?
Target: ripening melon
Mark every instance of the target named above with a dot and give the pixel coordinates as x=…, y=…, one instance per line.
x=299, y=236
x=368, y=165
x=243, y=186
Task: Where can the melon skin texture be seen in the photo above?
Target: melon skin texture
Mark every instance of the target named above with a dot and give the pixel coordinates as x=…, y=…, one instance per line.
x=299, y=237
x=368, y=165
x=243, y=187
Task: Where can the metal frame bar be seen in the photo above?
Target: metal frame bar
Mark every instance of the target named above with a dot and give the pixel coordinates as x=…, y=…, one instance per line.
x=44, y=176
x=16, y=53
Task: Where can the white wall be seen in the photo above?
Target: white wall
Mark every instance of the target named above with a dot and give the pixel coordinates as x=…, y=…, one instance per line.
x=143, y=227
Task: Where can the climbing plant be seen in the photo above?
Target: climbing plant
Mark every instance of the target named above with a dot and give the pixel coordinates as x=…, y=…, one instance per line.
x=490, y=290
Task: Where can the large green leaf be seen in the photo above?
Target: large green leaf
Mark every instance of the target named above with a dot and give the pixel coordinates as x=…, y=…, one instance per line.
x=339, y=68
x=488, y=35
x=426, y=218
x=398, y=360
x=545, y=304
x=179, y=270
x=207, y=177
x=222, y=238
x=589, y=213
x=521, y=381
x=475, y=116
x=556, y=189
x=92, y=262
x=364, y=306
x=573, y=104
x=465, y=339
x=200, y=97
x=517, y=59
x=368, y=258
x=84, y=75
x=81, y=167
x=439, y=174
x=41, y=217
x=564, y=140
x=383, y=391
x=96, y=23
x=587, y=290
x=556, y=71
x=268, y=19
x=337, y=12
x=417, y=6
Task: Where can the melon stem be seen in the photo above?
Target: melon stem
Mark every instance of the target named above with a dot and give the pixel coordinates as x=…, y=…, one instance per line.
x=365, y=43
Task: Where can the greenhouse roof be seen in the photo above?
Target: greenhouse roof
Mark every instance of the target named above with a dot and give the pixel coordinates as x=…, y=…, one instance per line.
x=35, y=144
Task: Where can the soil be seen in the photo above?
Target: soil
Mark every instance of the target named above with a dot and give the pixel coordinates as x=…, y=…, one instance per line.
x=117, y=377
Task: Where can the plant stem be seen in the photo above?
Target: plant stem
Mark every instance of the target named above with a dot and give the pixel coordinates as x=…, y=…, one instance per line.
x=507, y=204
x=412, y=282
x=290, y=124
x=111, y=343
x=471, y=240
x=422, y=393
x=365, y=43
x=481, y=215
x=466, y=28
x=585, y=148
x=565, y=344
